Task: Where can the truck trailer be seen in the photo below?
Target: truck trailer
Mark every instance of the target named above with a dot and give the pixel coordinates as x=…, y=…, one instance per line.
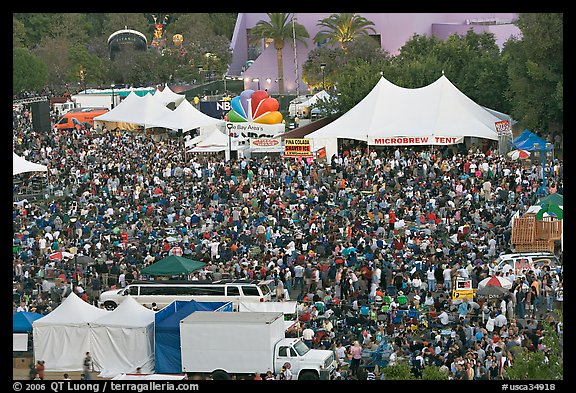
x=248, y=342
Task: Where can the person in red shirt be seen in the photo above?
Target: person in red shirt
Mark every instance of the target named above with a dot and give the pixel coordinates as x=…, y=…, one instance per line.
x=391, y=220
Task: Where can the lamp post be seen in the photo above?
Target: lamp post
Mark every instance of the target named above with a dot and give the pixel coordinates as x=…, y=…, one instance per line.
x=543, y=156
x=112, y=86
x=257, y=80
x=229, y=126
x=295, y=54
x=322, y=66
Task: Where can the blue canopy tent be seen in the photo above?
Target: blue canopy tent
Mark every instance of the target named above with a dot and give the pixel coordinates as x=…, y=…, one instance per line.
x=167, y=331
x=526, y=141
x=22, y=321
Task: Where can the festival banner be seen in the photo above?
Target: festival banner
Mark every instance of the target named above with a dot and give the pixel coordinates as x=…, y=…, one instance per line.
x=463, y=290
x=297, y=147
x=265, y=143
x=415, y=140
x=503, y=127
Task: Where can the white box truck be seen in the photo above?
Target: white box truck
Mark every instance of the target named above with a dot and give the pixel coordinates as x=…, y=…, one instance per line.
x=248, y=342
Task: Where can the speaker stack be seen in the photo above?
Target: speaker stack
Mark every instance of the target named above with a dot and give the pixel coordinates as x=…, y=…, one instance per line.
x=41, y=116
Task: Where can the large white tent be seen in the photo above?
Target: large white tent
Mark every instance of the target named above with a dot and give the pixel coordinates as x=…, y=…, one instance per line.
x=140, y=111
x=185, y=117
x=21, y=165
x=62, y=338
x=390, y=115
x=215, y=141
x=123, y=340
x=167, y=96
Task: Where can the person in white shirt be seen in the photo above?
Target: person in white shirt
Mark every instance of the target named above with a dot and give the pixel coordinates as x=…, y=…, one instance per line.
x=444, y=318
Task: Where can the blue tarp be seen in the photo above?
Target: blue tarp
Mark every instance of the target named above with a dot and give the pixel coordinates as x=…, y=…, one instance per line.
x=167, y=332
x=526, y=141
x=22, y=321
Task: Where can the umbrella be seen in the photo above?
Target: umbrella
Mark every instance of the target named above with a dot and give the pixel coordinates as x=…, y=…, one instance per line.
x=59, y=255
x=551, y=209
x=519, y=154
x=492, y=292
x=495, y=281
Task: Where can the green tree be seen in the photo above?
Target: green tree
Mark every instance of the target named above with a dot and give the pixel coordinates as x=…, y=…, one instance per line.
x=546, y=364
x=341, y=29
x=28, y=71
x=535, y=70
x=400, y=371
x=363, y=48
x=279, y=28
x=18, y=33
x=433, y=373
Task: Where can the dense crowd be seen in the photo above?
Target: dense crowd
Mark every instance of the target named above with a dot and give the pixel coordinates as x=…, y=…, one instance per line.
x=368, y=242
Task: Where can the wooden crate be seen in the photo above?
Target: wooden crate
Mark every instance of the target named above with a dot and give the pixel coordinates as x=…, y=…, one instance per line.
x=535, y=246
x=523, y=229
x=549, y=228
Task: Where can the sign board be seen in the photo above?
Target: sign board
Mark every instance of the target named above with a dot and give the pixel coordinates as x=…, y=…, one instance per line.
x=463, y=290
x=297, y=147
x=215, y=109
x=503, y=127
x=417, y=140
x=265, y=143
x=20, y=342
x=254, y=130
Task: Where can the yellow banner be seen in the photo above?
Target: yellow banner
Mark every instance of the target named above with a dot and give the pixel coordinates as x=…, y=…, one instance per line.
x=297, y=147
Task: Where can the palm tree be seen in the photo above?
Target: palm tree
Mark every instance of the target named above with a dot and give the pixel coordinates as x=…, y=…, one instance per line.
x=280, y=28
x=342, y=29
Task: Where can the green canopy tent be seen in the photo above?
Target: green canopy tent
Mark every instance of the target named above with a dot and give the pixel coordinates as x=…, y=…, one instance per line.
x=552, y=199
x=173, y=265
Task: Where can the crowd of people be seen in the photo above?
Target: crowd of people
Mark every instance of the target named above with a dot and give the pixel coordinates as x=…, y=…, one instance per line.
x=368, y=242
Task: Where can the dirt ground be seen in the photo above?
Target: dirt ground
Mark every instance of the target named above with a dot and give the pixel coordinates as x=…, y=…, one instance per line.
x=20, y=374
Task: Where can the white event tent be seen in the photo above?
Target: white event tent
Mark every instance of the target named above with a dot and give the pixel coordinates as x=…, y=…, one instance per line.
x=135, y=110
x=215, y=141
x=21, y=165
x=62, y=338
x=390, y=115
x=123, y=340
x=167, y=96
x=185, y=117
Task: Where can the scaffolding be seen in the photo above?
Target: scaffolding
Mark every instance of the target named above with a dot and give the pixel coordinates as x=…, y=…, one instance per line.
x=532, y=235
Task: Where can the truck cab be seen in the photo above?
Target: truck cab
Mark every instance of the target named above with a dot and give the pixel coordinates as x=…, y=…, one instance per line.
x=305, y=363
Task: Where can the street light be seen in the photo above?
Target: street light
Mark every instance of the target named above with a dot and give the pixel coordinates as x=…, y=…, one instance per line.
x=112, y=86
x=548, y=146
x=257, y=80
x=229, y=126
x=322, y=66
x=200, y=69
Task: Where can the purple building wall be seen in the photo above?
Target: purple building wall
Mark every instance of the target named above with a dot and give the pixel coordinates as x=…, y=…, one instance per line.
x=394, y=29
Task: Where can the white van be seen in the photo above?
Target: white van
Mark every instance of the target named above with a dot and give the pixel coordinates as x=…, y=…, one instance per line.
x=165, y=292
x=526, y=261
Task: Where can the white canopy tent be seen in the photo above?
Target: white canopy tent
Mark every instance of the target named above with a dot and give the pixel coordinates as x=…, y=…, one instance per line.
x=167, y=96
x=185, y=117
x=390, y=115
x=141, y=111
x=300, y=105
x=215, y=141
x=62, y=338
x=21, y=165
x=123, y=340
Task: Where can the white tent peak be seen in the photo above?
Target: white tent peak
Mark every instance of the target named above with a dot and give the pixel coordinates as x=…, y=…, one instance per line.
x=21, y=165
x=129, y=313
x=167, y=95
x=185, y=117
x=388, y=110
x=72, y=311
